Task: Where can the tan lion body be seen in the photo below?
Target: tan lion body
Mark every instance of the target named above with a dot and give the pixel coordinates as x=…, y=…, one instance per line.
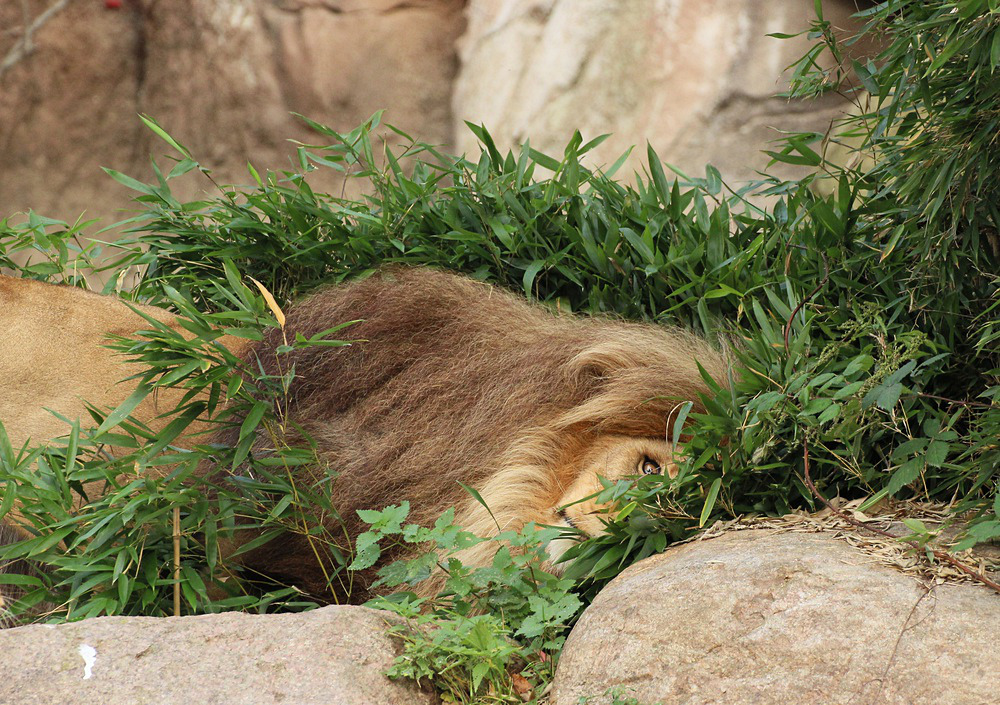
x=459, y=382
x=454, y=382
x=53, y=357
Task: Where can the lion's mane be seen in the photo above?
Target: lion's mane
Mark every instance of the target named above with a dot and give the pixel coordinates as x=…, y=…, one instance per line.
x=455, y=381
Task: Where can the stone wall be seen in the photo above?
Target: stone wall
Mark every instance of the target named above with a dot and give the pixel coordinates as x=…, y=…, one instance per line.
x=693, y=77
x=222, y=76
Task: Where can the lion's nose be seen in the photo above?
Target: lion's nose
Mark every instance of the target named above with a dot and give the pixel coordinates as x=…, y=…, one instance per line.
x=672, y=470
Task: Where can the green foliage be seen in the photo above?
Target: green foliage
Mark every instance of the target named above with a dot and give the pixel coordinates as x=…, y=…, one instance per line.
x=494, y=633
x=929, y=121
x=113, y=553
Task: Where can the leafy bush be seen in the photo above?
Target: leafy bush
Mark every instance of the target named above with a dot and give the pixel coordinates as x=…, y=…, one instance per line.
x=862, y=320
x=493, y=632
x=120, y=552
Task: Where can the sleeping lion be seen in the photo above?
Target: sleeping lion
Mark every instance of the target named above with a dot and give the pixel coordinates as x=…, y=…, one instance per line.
x=455, y=381
x=451, y=381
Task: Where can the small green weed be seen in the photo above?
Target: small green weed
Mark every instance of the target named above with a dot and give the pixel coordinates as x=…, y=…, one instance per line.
x=493, y=634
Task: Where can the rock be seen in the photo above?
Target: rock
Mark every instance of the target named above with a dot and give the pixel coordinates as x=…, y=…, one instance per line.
x=332, y=656
x=696, y=78
x=222, y=76
x=761, y=617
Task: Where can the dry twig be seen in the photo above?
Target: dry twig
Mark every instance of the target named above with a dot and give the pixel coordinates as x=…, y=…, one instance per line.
x=25, y=47
x=803, y=302
x=177, y=561
x=940, y=555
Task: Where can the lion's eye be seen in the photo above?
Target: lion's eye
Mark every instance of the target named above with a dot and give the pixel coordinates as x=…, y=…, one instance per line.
x=648, y=466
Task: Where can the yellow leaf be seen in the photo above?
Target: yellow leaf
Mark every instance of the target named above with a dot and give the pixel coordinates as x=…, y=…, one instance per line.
x=271, y=303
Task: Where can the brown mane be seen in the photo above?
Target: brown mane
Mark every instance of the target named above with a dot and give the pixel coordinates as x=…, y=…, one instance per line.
x=460, y=382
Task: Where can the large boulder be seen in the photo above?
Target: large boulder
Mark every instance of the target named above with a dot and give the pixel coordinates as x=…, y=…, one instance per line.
x=695, y=78
x=332, y=656
x=761, y=617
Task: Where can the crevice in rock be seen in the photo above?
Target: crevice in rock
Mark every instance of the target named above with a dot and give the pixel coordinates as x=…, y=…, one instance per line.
x=907, y=626
x=333, y=8
x=140, y=52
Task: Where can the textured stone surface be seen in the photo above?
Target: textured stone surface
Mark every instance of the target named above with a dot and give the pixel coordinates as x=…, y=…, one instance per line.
x=332, y=656
x=696, y=78
x=223, y=76
x=755, y=617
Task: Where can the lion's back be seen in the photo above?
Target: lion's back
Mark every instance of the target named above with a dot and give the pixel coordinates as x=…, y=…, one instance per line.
x=53, y=355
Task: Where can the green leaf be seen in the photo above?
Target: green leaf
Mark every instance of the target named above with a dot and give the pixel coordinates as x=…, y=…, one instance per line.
x=122, y=411
x=131, y=183
x=885, y=395
x=544, y=160
x=904, y=475
x=861, y=363
x=937, y=452
x=479, y=672
x=660, y=182
x=479, y=498
x=866, y=77
x=874, y=499
x=366, y=551
x=162, y=134
x=529, y=276
x=713, y=493
x=829, y=414
x=641, y=247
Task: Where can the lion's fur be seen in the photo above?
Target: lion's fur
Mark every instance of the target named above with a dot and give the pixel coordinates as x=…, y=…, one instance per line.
x=452, y=381
x=457, y=382
x=53, y=357
x=54, y=361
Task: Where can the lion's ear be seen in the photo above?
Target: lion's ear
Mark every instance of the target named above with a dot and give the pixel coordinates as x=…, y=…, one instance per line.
x=600, y=362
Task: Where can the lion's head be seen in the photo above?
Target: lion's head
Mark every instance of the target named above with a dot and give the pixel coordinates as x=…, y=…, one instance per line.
x=612, y=457
x=457, y=382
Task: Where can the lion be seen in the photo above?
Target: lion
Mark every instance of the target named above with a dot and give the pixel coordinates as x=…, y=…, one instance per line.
x=54, y=359
x=450, y=382
x=455, y=382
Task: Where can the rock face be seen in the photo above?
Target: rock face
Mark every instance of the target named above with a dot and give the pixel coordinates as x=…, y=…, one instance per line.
x=695, y=78
x=762, y=618
x=222, y=76
x=332, y=656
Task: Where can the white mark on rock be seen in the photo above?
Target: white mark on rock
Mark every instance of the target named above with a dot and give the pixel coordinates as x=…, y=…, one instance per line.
x=89, y=655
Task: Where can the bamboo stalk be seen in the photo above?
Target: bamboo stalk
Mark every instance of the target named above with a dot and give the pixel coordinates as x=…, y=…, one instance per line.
x=177, y=561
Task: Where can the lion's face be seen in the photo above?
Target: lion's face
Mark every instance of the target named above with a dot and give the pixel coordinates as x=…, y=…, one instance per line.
x=613, y=457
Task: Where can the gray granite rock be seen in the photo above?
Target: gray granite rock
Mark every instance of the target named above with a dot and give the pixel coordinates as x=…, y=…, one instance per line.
x=787, y=618
x=332, y=656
